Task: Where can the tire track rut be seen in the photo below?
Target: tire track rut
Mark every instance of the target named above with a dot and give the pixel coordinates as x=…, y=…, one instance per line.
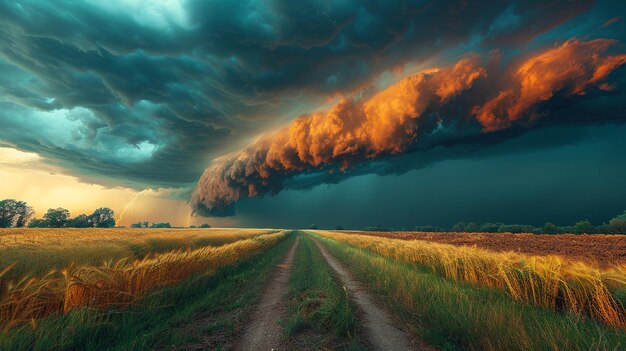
x=263, y=332
x=380, y=328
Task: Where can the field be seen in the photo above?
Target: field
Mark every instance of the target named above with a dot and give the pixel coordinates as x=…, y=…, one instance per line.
x=605, y=250
x=194, y=289
x=38, y=251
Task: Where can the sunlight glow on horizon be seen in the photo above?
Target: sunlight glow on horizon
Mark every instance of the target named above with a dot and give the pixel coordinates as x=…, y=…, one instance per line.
x=24, y=176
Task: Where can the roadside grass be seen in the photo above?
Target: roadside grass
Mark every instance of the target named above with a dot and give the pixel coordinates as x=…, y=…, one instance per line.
x=545, y=281
x=37, y=251
x=461, y=316
x=203, y=310
x=320, y=315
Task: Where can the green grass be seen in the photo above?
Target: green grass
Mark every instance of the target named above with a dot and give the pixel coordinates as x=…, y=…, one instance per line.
x=457, y=316
x=168, y=318
x=320, y=313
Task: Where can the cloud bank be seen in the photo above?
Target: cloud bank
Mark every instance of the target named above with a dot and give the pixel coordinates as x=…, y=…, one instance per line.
x=145, y=94
x=473, y=97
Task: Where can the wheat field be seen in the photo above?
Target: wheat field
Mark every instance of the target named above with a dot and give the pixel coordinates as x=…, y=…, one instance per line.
x=546, y=281
x=36, y=251
x=119, y=282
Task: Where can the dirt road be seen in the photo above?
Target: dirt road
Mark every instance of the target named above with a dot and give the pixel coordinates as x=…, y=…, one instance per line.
x=381, y=330
x=263, y=332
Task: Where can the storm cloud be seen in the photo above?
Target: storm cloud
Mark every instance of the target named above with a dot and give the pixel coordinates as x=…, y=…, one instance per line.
x=147, y=94
x=431, y=108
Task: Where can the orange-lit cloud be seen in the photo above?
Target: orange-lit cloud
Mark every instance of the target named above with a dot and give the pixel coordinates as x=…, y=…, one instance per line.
x=349, y=132
x=570, y=69
x=395, y=119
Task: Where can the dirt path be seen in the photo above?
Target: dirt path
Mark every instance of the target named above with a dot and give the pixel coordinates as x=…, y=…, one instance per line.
x=263, y=332
x=382, y=332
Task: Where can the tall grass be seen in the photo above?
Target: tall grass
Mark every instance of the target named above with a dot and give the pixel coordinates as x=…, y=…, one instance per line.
x=320, y=313
x=461, y=316
x=118, y=283
x=545, y=281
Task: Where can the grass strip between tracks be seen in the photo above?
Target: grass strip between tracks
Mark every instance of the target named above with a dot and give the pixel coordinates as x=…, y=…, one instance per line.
x=320, y=314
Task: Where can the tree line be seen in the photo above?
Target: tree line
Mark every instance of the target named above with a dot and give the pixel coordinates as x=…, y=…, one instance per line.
x=15, y=213
x=616, y=225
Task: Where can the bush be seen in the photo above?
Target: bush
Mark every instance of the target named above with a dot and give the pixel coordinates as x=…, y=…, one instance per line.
x=144, y=224
x=489, y=227
x=472, y=228
x=205, y=225
x=584, y=227
x=161, y=225
x=618, y=224
x=38, y=223
x=550, y=228
x=459, y=227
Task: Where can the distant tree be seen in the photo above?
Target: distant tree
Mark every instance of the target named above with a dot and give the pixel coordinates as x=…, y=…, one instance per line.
x=472, y=228
x=338, y=227
x=80, y=221
x=459, y=227
x=313, y=226
x=605, y=229
x=14, y=213
x=192, y=226
x=38, y=223
x=565, y=229
x=489, y=228
x=57, y=217
x=24, y=214
x=103, y=217
x=618, y=224
x=161, y=225
x=145, y=224
x=204, y=225
x=549, y=228
x=584, y=227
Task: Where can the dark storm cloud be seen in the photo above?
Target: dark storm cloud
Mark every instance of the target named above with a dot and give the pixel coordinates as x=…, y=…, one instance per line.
x=148, y=95
x=458, y=104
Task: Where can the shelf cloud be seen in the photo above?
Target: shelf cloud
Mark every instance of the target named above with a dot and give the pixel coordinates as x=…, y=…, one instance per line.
x=407, y=115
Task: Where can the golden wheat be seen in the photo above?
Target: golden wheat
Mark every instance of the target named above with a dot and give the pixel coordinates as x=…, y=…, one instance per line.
x=118, y=283
x=547, y=281
x=35, y=251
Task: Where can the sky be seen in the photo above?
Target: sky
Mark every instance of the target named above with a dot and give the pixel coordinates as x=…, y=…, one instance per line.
x=353, y=113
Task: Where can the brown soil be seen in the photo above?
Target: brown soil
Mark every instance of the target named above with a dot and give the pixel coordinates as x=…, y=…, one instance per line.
x=263, y=332
x=603, y=249
x=382, y=332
